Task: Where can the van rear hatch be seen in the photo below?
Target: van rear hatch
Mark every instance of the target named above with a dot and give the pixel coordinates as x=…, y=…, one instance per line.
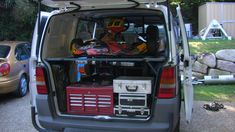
x=105, y=62
x=84, y=3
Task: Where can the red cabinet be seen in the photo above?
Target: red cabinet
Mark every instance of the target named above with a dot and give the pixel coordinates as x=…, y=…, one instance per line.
x=90, y=100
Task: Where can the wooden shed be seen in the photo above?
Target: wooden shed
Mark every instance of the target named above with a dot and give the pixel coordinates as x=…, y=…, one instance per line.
x=223, y=12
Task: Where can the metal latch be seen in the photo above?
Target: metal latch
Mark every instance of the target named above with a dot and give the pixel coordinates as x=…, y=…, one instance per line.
x=131, y=88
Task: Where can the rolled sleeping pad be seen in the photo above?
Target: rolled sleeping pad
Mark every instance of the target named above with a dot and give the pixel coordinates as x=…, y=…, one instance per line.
x=220, y=79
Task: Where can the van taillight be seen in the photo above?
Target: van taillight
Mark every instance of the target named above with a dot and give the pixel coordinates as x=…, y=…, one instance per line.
x=4, y=69
x=40, y=79
x=167, y=85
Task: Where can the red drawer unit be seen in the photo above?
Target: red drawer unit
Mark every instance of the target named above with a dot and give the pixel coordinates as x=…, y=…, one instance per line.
x=90, y=100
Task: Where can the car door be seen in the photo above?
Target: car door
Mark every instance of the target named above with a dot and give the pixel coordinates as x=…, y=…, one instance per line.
x=187, y=70
x=22, y=58
x=26, y=47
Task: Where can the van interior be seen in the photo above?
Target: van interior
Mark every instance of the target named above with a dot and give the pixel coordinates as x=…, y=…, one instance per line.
x=90, y=49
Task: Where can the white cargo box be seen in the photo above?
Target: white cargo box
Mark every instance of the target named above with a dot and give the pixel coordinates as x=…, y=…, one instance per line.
x=133, y=85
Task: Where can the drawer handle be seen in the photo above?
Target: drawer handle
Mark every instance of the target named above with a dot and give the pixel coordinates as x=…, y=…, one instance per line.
x=131, y=88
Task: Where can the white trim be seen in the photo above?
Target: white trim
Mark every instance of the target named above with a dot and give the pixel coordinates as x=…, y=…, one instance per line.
x=228, y=21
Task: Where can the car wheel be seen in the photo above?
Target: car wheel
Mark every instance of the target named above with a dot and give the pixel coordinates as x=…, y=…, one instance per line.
x=22, y=87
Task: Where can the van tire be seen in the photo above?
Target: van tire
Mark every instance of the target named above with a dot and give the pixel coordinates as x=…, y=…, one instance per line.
x=177, y=127
x=22, y=87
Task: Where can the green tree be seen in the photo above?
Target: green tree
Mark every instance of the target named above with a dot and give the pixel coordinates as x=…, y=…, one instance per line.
x=5, y=11
x=17, y=19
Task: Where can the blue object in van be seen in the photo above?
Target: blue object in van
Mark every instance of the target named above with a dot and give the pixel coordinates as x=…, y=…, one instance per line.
x=79, y=65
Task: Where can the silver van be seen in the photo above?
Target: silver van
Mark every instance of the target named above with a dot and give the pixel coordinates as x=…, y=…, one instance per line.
x=109, y=65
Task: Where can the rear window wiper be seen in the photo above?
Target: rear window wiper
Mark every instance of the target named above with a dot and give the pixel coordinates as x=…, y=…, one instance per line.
x=77, y=5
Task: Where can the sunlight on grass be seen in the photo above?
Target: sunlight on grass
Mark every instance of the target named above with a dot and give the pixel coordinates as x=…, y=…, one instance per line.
x=215, y=96
x=210, y=46
x=215, y=93
x=196, y=46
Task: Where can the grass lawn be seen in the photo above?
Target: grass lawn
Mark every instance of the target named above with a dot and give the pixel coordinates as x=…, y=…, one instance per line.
x=210, y=46
x=214, y=93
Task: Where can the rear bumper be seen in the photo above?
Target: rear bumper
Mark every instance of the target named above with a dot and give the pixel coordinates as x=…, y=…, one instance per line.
x=8, y=86
x=165, y=117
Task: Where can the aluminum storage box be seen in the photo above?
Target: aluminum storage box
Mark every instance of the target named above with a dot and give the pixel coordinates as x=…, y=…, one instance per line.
x=133, y=85
x=90, y=100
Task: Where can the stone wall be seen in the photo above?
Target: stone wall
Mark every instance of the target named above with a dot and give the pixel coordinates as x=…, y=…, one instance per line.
x=221, y=63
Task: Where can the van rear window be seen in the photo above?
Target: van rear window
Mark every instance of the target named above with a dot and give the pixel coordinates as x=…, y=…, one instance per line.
x=122, y=36
x=4, y=51
x=125, y=34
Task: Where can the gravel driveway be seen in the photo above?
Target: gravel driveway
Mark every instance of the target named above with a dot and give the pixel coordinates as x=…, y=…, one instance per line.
x=15, y=117
x=15, y=114
x=207, y=121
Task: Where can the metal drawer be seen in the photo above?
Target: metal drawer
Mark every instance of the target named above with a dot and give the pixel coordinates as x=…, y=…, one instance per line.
x=133, y=100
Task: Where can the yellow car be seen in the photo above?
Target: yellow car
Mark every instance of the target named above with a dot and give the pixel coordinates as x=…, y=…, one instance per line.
x=14, y=58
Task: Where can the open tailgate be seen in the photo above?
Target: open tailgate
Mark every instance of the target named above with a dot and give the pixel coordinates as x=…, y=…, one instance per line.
x=67, y=3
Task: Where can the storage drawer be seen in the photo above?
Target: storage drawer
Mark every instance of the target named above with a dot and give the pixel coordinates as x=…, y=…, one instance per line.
x=133, y=85
x=87, y=100
x=133, y=100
